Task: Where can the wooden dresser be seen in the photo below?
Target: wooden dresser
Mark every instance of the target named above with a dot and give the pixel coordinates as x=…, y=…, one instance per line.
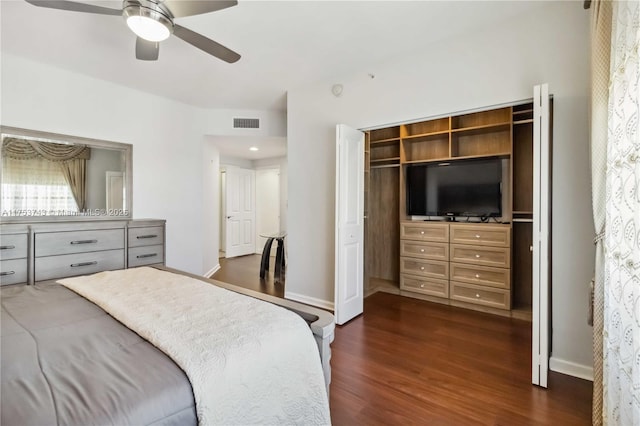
x=45, y=251
x=424, y=258
x=480, y=257
x=463, y=264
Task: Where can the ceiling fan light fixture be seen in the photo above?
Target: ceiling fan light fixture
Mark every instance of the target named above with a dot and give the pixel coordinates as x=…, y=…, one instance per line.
x=146, y=23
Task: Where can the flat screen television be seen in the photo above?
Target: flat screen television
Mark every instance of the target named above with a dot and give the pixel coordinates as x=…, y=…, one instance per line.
x=461, y=188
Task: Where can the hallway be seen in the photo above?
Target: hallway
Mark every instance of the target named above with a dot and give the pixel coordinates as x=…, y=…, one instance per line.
x=244, y=271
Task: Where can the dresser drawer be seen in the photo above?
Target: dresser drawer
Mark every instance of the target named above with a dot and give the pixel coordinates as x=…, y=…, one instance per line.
x=424, y=268
x=69, y=265
x=147, y=236
x=146, y=255
x=13, y=271
x=481, y=275
x=430, y=286
x=432, y=251
x=436, y=232
x=481, y=255
x=470, y=293
x=13, y=246
x=57, y=243
x=488, y=235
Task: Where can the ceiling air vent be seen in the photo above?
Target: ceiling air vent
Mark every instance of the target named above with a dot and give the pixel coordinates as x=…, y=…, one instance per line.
x=246, y=123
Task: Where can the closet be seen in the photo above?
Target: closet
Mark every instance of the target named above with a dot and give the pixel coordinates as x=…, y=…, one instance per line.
x=476, y=263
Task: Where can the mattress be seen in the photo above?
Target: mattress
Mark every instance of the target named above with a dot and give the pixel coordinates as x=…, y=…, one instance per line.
x=64, y=360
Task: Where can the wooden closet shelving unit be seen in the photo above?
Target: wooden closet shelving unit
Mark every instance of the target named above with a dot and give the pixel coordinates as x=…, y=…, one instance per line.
x=505, y=133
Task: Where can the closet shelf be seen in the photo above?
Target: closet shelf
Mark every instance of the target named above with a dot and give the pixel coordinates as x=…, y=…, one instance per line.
x=426, y=135
x=385, y=160
x=497, y=126
x=384, y=141
x=384, y=166
x=524, y=111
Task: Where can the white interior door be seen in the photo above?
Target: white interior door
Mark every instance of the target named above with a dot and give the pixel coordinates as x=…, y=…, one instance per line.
x=349, y=268
x=541, y=228
x=241, y=213
x=115, y=190
x=267, y=206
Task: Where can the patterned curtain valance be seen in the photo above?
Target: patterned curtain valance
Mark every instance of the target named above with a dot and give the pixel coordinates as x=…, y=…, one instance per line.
x=24, y=149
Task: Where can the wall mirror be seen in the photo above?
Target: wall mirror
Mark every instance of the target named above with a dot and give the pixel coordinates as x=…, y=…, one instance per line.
x=52, y=177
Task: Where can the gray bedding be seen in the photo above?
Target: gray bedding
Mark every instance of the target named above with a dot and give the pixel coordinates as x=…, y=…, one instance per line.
x=66, y=361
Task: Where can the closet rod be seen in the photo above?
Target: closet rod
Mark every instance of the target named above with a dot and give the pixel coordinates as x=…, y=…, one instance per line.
x=385, y=166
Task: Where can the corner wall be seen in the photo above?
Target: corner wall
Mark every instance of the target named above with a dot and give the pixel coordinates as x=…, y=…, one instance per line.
x=499, y=65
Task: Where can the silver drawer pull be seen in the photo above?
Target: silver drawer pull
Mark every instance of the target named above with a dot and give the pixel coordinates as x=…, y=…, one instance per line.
x=421, y=232
x=7, y=247
x=142, y=237
x=4, y=274
x=477, y=235
x=84, y=242
x=477, y=256
x=421, y=250
x=477, y=295
x=422, y=268
x=421, y=285
x=477, y=275
x=77, y=265
x=142, y=256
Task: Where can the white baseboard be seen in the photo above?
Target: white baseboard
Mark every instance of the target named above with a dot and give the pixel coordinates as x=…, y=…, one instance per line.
x=318, y=303
x=212, y=271
x=571, y=368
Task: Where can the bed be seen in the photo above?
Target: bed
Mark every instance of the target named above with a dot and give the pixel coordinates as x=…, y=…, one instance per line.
x=67, y=360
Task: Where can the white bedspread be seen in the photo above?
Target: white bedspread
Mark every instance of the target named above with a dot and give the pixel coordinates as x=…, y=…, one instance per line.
x=249, y=362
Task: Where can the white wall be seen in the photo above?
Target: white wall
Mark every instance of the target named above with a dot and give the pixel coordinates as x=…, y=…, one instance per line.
x=235, y=161
x=211, y=208
x=223, y=210
x=498, y=65
x=166, y=136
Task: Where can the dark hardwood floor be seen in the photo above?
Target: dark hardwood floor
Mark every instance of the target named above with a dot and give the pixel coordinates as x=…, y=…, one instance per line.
x=244, y=271
x=407, y=361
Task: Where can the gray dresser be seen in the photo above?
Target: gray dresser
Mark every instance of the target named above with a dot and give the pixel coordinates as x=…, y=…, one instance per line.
x=44, y=251
x=14, y=253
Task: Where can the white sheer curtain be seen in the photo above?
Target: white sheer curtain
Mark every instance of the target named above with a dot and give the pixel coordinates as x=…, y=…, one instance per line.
x=621, y=327
x=35, y=187
x=600, y=54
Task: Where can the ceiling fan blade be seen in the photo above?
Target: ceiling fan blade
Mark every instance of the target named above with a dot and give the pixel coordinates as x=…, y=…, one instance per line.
x=147, y=50
x=181, y=8
x=75, y=7
x=205, y=44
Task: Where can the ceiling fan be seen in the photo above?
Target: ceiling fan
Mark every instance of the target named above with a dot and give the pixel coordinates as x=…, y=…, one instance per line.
x=153, y=21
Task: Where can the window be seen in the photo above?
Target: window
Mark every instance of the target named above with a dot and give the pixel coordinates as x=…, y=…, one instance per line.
x=35, y=187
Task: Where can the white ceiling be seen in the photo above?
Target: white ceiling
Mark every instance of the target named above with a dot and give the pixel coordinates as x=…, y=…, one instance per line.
x=238, y=146
x=283, y=45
